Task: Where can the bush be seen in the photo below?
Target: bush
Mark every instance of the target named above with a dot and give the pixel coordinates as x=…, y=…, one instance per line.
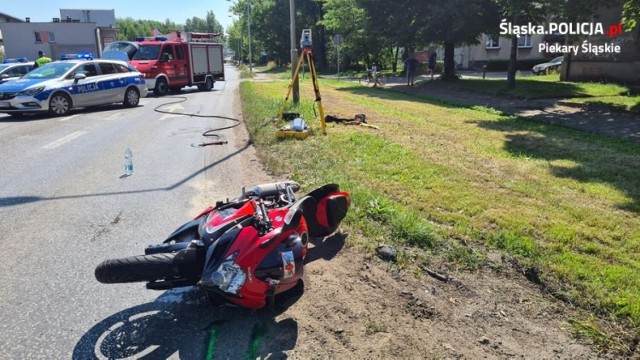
x=271, y=65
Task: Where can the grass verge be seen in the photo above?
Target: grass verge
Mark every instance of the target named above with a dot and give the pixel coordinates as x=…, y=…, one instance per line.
x=546, y=86
x=455, y=180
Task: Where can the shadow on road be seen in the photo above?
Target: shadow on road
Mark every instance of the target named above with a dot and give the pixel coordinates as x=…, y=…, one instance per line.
x=19, y=200
x=182, y=322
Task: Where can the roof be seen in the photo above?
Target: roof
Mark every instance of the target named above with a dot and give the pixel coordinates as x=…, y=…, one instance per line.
x=15, y=19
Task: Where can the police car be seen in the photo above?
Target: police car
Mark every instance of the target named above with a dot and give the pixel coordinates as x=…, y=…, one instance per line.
x=76, y=81
x=14, y=68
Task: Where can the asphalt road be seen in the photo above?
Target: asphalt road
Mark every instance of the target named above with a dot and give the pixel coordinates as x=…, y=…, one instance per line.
x=65, y=207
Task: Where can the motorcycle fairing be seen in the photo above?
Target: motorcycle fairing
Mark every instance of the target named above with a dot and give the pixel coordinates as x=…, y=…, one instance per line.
x=216, y=254
x=269, y=263
x=274, y=265
x=187, y=230
x=323, y=209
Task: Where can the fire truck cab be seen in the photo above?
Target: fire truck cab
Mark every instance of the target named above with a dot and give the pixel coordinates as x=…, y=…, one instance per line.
x=179, y=59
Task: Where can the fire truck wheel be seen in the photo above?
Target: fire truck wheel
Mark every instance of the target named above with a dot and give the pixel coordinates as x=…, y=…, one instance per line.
x=161, y=88
x=208, y=84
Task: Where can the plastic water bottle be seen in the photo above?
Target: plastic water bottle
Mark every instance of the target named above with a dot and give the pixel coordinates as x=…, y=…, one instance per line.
x=128, y=162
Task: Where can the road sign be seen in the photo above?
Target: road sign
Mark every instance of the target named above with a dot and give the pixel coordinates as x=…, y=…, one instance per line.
x=337, y=40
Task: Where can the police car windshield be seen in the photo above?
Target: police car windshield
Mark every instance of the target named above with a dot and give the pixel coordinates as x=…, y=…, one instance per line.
x=3, y=66
x=50, y=71
x=147, y=52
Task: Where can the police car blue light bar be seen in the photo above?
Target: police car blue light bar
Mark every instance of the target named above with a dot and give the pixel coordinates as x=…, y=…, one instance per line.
x=78, y=56
x=15, y=60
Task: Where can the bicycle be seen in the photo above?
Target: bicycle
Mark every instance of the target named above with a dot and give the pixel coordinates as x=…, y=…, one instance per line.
x=373, y=78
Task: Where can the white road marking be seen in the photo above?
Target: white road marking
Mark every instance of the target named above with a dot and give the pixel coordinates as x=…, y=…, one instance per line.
x=69, y=117
x=167, y=116
x=64, y=140
x=171, y=109
x=113, y=116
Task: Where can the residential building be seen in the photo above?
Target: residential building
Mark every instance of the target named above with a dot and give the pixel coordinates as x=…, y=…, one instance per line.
x=495, y=48
x=75, y=31
x=4, y=18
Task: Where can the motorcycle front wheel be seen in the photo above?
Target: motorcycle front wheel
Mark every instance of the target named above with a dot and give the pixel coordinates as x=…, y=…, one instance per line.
x=136, y=268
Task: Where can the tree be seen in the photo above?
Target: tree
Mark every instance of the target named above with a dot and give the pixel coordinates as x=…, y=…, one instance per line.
x=520, y=12
x=455, y=22
x=393, y=23
x=130, y=29
x=631, y=14
x=349, y=19
x=208, y=25
x=371, y=33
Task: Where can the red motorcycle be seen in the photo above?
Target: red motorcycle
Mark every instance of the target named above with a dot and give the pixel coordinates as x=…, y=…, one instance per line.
x=246, y=250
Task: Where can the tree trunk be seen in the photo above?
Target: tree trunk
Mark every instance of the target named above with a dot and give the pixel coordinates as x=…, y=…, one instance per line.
x=395, y=59
x=513, y=63
x=449, y=62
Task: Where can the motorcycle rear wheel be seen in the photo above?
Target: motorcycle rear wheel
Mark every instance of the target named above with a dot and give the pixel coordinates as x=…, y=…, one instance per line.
x=136, y=268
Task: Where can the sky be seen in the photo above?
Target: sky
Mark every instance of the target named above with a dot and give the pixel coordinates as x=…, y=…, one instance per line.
x=177, y=11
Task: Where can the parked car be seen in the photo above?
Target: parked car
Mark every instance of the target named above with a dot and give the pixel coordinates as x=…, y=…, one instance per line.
x=546, y=68
x=59, y=86
x=11, y=69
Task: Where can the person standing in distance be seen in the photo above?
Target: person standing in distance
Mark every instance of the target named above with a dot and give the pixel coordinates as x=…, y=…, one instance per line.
x=432, y=63
x=411, y=65
x=41, y=60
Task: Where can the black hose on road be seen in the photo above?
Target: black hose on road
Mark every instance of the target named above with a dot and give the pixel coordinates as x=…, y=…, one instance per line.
x=208, y=133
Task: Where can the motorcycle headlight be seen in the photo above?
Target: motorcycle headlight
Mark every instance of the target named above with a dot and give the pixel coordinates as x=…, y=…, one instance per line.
x=229, y=277
x=32, y=91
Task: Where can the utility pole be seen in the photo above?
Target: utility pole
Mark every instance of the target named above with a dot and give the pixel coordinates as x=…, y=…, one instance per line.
x=294, y=51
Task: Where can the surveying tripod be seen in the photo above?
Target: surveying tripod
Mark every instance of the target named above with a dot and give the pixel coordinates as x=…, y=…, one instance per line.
x=306, y=53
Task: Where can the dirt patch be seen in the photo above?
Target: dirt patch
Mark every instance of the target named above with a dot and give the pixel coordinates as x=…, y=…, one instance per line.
x=356, y=305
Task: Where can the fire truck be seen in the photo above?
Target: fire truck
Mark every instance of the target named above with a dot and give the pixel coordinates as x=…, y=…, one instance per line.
x=175, y=60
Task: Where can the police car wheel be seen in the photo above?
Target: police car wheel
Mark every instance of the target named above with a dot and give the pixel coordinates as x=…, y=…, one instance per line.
x=60, y=104
x=131, y=97
x=161, y=88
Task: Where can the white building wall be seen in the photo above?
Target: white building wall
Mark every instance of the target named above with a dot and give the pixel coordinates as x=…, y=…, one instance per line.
x=20, y=41
x=481, y=53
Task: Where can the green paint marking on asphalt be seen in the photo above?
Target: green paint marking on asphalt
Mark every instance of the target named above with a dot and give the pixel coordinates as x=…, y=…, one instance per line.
x=211, y=347
x=258, y=332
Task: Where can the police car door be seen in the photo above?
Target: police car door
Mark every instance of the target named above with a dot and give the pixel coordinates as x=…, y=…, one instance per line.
x=111, y=82
x=85, y=91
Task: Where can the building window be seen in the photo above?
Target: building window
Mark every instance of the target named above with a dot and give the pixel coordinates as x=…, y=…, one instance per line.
x=52, y=38
x=524, y=41
x=38, y=37
x=492, y=43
